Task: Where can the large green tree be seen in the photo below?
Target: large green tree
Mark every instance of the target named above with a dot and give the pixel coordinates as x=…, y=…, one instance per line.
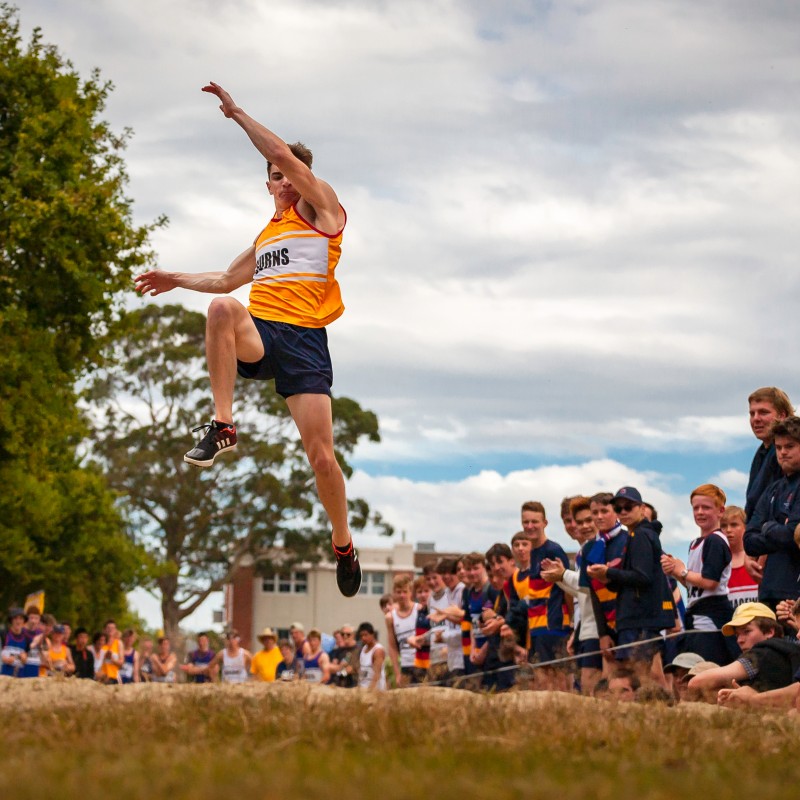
x=198, y=525
x=68, y=247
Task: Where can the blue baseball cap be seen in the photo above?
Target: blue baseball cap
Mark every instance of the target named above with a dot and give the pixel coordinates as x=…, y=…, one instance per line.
x=628, y=493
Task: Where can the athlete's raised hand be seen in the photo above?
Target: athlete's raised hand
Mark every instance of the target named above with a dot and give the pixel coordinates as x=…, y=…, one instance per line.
x=227, y=106
x=155, y=282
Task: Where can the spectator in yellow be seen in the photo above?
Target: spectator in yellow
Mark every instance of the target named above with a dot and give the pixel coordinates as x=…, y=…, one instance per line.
x=115, y=653
x=265, y=663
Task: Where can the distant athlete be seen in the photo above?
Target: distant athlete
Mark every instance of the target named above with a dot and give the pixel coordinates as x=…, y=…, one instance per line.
x=281, y=334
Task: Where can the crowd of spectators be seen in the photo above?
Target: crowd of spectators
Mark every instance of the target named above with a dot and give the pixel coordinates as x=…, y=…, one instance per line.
x=619, y=619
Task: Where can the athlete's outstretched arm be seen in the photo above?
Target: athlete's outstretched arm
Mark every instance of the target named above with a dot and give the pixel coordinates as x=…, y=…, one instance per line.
x=239, y=273
x=316, y=193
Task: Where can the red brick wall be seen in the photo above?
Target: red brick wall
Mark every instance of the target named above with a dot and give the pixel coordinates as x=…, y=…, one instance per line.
x=241, y=600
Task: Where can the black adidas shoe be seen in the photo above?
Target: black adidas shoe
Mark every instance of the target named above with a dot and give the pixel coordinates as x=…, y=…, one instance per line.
x=348, y=572
x=219, y=438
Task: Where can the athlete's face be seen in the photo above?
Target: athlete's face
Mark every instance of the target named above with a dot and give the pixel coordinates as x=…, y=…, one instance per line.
x=402, y=596
x=522, y=551
x=788, y=452
x=534, y=523
x=476, y=575
x=368, y=638
x=450, y=580
x=630, y=514
x=17, y=624
x=423, y=595
x=569, y=526
x=621, y=690
x=604, y=516
x=435, y=582
x=584, y=526
x=280, y=187
x=503, y=567
x=733, y=528
x=298, y=636
x=748, y=636
x=763, y=416
x=707, y=514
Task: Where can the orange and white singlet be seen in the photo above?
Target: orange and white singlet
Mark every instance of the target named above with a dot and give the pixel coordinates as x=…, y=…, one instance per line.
x=294, y=277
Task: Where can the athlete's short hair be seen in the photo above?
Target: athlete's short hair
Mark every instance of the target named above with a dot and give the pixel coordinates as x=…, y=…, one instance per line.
x=774, y=396
x=497, y=551
x=33, y=610
x=734, y=512
x=419, y=583
x=429, y=568
x=535, y=506
x=765, y=625
x=473, y=560
x=712, y=491
x=566, y=506
x=402, y=581
x=627, y=674
x=579, y=503
x=385, y=601
x=300, y=152
x=447, y=566
x=520, y=535
x=789, y=427
x=603, y=498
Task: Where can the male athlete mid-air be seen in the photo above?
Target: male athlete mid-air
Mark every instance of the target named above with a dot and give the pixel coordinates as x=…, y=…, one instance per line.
x=281, y=334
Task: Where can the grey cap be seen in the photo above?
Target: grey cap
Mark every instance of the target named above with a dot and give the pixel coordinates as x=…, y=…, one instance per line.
x=683, y=660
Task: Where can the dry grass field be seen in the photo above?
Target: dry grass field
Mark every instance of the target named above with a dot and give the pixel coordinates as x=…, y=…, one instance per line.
x=71, y=739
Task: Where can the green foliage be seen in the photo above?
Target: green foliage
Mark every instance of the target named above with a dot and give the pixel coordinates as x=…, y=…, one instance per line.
x=67, y=249
x=198, y=525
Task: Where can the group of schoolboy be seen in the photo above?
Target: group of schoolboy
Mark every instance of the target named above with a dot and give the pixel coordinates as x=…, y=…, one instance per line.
x=614, y=618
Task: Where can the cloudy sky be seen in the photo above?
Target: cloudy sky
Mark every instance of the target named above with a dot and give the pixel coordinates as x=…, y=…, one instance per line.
x=573, y=227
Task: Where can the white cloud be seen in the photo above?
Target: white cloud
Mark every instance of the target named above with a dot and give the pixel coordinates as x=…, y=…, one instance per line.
x=572, y=226
x=473, y=513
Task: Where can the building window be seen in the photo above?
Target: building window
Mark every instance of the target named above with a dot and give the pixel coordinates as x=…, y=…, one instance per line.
x=373, y=583
x=290, y=583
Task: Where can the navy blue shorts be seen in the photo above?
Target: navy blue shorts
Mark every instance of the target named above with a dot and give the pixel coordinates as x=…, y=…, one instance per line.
x=296, y=357
x=548, y=647
x=643, y=652
x=589, y=646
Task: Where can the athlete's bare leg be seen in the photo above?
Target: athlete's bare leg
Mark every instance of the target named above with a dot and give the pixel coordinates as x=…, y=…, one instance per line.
x=230, y=334
x=314, y=419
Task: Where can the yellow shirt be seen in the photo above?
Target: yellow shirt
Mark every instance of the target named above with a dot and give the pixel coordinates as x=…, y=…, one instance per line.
x=294, y=276
x=265, y=663
x=111, y=671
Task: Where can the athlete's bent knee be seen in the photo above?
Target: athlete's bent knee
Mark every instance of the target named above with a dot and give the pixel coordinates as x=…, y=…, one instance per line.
x=222, y=312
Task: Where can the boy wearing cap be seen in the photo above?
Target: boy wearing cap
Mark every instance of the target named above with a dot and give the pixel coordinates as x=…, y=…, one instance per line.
x=644, y=604
x=768, y=661
x=264, y=665
x=297, y=633
x=770, y=531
